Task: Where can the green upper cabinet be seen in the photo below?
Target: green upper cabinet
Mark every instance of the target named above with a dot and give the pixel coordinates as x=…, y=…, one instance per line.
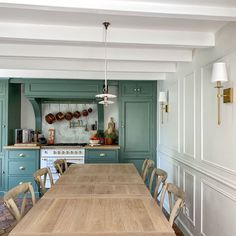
x=137, y=89
x=10, y=103
x=137, y=123
x=52, y=88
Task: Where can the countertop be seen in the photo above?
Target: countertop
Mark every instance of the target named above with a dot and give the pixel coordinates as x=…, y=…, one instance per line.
x=58, y=147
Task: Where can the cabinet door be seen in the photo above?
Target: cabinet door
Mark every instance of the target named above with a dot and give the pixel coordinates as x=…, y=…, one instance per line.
x=128, y=89
x=2, y=125
x=137, y=89
x=2, y=175
x=145, y=89
x=138, y=130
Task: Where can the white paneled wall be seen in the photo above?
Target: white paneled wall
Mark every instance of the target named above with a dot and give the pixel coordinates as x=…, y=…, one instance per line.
x=198, y=154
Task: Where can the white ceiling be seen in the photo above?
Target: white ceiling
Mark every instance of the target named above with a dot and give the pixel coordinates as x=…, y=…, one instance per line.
x=146, y=39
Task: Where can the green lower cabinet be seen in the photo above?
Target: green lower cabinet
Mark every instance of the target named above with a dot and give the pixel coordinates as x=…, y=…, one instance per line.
x=101, y=156
x=21, y=165
x=2, y=176
x=16, y=180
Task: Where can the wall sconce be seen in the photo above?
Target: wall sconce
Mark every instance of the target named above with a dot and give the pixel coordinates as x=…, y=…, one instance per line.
x=219, y=76
x=163, y=100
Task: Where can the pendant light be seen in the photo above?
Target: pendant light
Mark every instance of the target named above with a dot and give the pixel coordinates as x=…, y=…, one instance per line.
x=105, y=95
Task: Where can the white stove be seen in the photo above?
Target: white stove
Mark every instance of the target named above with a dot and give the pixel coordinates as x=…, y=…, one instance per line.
x=73, y=154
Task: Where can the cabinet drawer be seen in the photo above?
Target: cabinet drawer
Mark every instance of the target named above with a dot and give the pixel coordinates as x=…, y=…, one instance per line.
x=23, y=154
x=22, y=167
x=14, y=181
x=103, y=156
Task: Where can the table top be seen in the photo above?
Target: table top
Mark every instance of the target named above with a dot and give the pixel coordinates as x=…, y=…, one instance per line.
x=102, y=169
x=89, y=208
x=99, y=190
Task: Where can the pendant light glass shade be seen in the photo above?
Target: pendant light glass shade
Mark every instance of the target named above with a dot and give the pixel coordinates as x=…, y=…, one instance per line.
x=105, y=95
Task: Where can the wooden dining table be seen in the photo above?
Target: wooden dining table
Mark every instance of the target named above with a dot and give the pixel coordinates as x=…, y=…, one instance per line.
x=104, y=200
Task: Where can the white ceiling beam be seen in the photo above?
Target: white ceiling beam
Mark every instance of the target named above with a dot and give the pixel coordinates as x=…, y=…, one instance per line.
x=85, y=65
x=137, y=8
x=96, y=53
x=61, y=74
x=94, y=36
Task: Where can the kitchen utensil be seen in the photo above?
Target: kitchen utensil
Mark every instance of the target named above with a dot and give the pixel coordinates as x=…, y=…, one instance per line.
x=85, y=112
x=77, y=114
x=60, y=116
x=68, y=115
x=50, y=118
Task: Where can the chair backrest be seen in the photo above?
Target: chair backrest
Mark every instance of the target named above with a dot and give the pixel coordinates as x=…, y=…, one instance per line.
x=160, y=177
x=149, y=164
x=178, y=195
x=11, y=195
x=60, y=165
x=40, y=177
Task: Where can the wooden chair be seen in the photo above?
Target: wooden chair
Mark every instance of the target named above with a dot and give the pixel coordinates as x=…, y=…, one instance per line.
x=160, y=178
x=147, y=166
x=60, y=165
x=40, y=177
x=10, y=196
x=178, y=195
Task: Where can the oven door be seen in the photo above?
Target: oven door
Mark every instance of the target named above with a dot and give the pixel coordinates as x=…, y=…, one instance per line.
x=49, y=162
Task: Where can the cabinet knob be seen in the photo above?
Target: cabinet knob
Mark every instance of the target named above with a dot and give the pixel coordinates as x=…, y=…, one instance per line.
x=21, y=155
x=3, y=172
x=135, y=90
x=22, y=168
x=3, y=126
x=102, y=155
x=138, y=89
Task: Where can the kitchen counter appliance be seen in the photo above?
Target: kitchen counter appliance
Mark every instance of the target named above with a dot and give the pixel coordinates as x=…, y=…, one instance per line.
x=72, y=152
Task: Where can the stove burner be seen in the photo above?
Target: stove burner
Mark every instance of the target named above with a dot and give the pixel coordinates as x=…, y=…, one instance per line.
x=68, y=144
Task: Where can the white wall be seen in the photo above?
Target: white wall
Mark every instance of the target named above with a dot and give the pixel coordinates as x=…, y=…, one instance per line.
x=198, y=154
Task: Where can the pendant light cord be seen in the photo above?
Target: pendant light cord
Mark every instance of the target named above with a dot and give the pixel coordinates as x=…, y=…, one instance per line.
x=106, y=24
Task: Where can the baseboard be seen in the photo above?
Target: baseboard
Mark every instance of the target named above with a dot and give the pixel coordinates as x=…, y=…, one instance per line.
x=183, y=228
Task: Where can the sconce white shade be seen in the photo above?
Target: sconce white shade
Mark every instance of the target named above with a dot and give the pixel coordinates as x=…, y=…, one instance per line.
x=219, y=72
x=162, y=97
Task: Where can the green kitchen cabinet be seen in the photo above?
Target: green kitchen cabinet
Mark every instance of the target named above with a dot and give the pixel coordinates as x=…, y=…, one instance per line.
x=63, y=89
x=10, y=103
x=21, y=165
x=2, y=176
x=101, y=156
x=137, y=122
x=136, y=89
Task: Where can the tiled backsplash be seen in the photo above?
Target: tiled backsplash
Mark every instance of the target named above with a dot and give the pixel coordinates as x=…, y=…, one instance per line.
x=63, y=132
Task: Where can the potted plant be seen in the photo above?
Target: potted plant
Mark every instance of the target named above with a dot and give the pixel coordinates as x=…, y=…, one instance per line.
x=109, y=138
x=100, y=135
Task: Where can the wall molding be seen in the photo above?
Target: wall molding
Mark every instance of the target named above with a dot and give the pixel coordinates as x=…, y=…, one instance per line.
x=197, y=166
x=192, y=156
x=179, y=145
x=192, y=221
x=217, y=189
x=178, y=169
x=220, y=167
